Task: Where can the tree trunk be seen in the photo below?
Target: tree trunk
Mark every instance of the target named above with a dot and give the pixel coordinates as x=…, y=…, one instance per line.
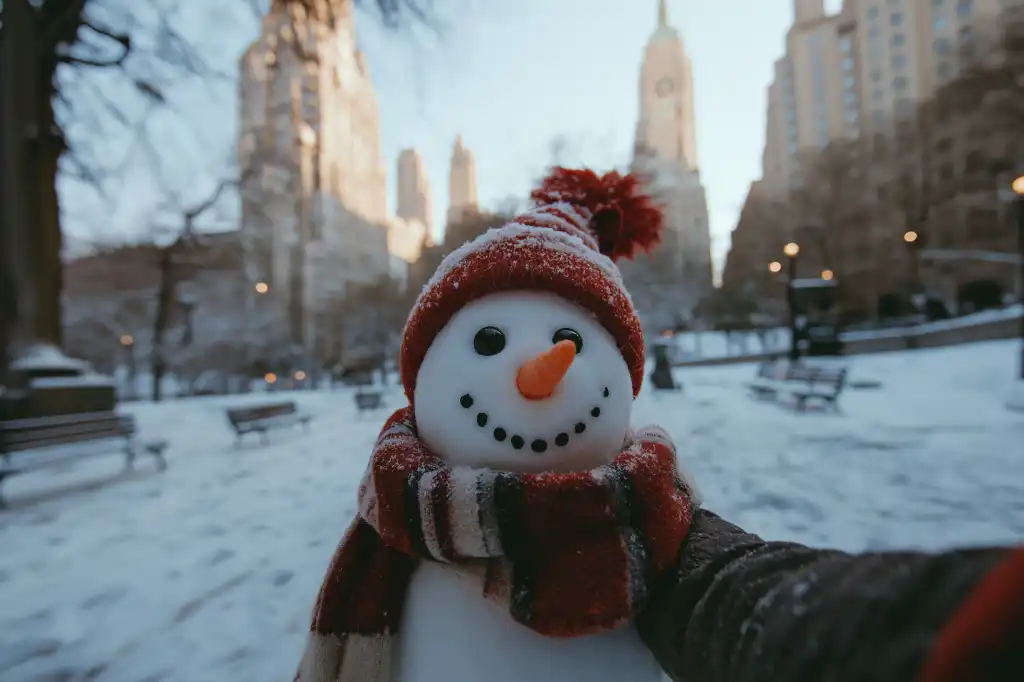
x=30, y=233
x=164, y=300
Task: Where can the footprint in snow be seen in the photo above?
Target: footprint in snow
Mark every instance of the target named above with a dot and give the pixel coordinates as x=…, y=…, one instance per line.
x=103, y=598
x=282, y=578
x=219, y=557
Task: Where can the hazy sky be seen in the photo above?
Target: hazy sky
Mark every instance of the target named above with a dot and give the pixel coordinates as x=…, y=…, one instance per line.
x=510, y=76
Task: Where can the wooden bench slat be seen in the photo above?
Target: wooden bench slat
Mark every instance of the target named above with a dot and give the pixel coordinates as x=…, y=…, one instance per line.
x=71, y=430
x=261, y=418
x=31, y=444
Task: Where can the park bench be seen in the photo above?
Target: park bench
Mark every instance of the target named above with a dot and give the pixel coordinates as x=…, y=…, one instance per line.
x=369, y=399
x=816, y=383
x=262, y=418
x=31, y=444
x=766, y=382
x=803, y=382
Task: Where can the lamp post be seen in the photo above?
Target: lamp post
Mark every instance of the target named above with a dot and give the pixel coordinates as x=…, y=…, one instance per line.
x=1011, y=189
x=792, y=250
x=128, y=343
x=912, y=240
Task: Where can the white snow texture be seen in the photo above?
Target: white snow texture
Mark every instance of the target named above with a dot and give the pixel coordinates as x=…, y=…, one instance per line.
x=208, y=572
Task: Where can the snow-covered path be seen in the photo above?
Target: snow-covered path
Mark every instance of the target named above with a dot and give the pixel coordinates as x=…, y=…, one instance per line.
x=207, y=573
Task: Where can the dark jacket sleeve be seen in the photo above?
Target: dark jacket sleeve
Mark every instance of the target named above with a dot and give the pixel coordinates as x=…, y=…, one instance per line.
x=740, y=609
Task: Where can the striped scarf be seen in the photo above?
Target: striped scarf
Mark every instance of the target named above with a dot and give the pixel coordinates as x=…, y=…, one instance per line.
x=567, y=554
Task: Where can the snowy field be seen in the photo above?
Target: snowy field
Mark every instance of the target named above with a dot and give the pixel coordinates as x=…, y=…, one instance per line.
x=207, y=573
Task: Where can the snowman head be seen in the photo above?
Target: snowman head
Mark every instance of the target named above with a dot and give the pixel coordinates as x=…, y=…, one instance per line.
x=524, y=350
x=525, y=381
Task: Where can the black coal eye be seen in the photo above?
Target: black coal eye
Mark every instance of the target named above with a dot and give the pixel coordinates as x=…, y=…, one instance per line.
x=489, y=341
x=567, y=334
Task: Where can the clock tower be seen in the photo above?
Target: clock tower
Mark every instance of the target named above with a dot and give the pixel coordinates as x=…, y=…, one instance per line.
x=668, y=284
x=666, y=127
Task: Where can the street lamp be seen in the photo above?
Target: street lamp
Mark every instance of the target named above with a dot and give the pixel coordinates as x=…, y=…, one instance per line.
x=910, y=236
x=792, y=250
x=775, y=266
x=128, y=345
x=827, y=275
x=262, y=288
x=1011, y=189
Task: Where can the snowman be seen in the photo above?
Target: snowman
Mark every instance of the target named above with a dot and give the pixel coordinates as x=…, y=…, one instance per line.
x=510, y=522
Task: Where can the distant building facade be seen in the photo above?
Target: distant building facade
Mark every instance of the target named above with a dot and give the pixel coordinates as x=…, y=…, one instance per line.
x=668, y=284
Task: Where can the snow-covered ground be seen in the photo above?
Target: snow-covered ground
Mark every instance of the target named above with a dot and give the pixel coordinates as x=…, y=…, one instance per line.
x=207, y=573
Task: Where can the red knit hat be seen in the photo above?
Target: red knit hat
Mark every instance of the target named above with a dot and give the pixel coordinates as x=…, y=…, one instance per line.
x=566, y=245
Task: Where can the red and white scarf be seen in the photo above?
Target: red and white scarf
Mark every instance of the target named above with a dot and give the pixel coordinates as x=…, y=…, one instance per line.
x=529, y=538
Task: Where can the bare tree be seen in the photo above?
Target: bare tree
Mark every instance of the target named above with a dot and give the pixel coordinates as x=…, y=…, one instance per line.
x=828, y=190
x=60, y=60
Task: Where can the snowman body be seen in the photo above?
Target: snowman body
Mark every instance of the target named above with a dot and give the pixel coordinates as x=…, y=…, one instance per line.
x=472, y=411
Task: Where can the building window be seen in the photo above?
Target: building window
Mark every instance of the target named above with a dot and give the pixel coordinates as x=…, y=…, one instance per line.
x=896, y=19
x=872, y=12
x=943, y=47
x=851, y=116
x=874, y=32
x=899, y=40
x=845, y=45
x=847, y=63
x=900, y=83
x=944, y=70
x=905, y=107
x=876, y=75
x=938, y=3
x=966, y=33
x=963, y=9
x=939, y=23
x=878, y=96
x=899, y=61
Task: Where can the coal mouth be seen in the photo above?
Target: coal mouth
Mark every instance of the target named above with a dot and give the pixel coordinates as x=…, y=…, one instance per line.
x=516, y=441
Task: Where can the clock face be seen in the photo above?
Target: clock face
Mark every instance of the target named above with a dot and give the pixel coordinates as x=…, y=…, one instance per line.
x=664, y=87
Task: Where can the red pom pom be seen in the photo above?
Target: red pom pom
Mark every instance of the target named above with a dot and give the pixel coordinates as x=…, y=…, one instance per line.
x=624, y=220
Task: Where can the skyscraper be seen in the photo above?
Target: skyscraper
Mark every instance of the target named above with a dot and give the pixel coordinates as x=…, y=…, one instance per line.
x=414, y=201
x=462, y=196
x=669, y=283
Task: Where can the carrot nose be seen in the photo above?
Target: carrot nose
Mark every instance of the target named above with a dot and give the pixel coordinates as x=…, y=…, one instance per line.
x=538, y=378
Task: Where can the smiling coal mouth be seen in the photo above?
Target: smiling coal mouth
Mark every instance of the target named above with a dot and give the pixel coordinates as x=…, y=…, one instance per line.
x=501, y=434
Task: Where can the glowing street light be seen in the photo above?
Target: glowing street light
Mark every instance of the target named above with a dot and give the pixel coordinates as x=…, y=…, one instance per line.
x=775, y=266
x=910, y=236
x=270, y=378
x=1018, y=185
x=791, y=250
x=827, y=275
x=262, y=288
x=300, y=375
x=127, y=340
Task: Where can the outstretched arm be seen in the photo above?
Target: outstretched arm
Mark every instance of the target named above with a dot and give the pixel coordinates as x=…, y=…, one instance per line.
x=745, y=610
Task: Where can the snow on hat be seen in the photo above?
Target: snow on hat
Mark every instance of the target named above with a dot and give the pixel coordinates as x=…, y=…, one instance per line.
x=567, y=244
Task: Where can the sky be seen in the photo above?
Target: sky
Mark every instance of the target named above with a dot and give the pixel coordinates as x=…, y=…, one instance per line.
x=509, y=76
